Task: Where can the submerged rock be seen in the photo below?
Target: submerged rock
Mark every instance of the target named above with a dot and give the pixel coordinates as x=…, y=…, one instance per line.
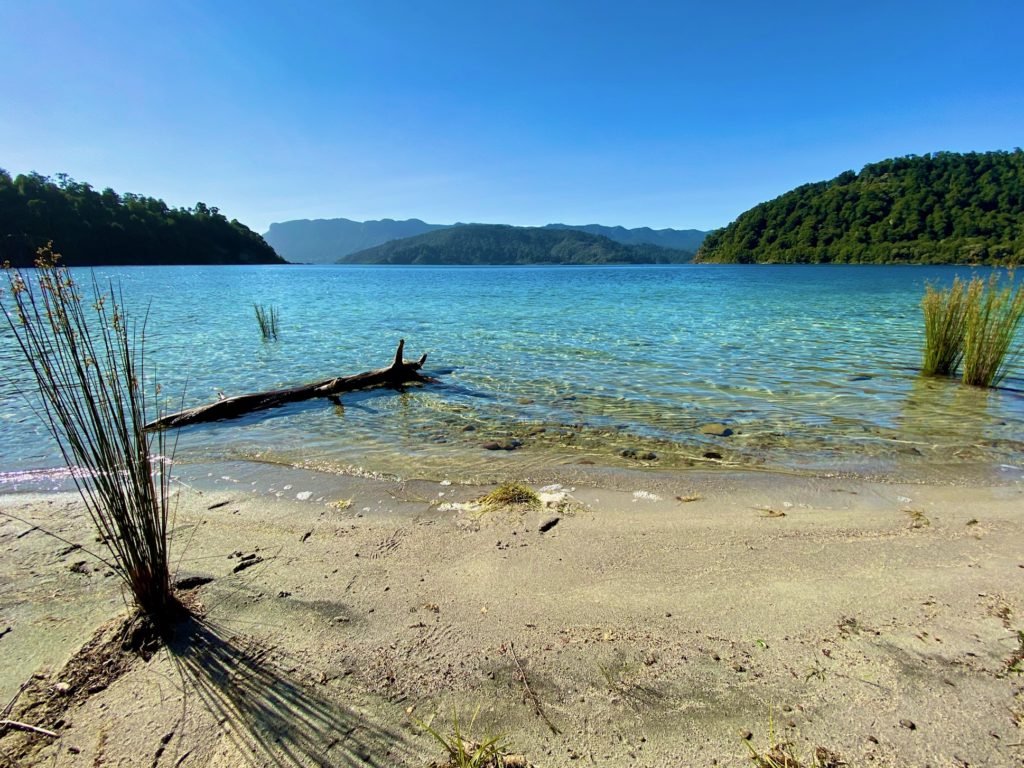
x=633, y=453
x=716, y=430
x=501, y=445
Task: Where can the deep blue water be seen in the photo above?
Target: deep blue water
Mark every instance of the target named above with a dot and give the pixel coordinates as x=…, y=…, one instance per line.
x=812, y=366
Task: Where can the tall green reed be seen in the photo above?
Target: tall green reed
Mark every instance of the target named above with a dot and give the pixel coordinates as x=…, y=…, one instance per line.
x=945, y=325
x=267, y=319
x=994, y=314
x=87, y=359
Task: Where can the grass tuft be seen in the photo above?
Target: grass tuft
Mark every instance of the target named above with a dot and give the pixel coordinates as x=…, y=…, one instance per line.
x=689, y=498
x=510, y=495
x=918, y=519
x=781, y=754
x=945, y=325
x=464, y=752
x=1015, y=664
x=993, y=316
x=87, y=361
x=267, y=318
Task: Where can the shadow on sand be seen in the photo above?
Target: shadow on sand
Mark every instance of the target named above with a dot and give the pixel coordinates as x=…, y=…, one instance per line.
x=271, y=717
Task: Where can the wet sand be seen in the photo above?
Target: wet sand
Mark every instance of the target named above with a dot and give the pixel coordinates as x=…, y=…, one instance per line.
x=661, y=620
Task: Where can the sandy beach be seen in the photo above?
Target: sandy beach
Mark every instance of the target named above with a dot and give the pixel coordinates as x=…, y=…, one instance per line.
x=662, y=619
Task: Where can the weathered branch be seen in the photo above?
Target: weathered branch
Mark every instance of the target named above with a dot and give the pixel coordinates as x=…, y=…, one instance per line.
x=398, y=373
x=528, y=691
x=26, y=727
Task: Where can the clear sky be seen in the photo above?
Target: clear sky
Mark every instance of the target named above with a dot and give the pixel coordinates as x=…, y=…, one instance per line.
x=662, y=114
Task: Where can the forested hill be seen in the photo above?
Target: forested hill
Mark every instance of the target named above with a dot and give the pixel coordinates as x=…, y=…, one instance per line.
x=680, y=239
x=503, y=244
x=325, y=241
x=92, y=228
x=931, y=209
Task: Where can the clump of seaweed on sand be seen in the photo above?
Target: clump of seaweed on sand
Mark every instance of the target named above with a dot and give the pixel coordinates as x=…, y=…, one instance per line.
x=510, y=494
x=511, y=502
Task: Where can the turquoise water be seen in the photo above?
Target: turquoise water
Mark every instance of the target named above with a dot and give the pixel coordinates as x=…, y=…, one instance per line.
x=814, y=368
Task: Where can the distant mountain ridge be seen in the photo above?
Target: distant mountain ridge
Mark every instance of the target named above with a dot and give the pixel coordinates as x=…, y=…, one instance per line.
x=680, y=239
x=325, y=241
x=501, y=244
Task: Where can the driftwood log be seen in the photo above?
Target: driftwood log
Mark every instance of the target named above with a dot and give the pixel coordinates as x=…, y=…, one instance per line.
x=400, y=372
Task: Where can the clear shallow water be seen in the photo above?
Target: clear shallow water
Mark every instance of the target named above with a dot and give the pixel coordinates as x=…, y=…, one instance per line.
x=813, y=367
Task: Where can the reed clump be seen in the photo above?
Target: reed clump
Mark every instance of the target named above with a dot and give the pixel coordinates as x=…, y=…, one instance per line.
x=945, y=324
x=973, y=324
x=267, y=318
x=88, y=364
x=994, y=314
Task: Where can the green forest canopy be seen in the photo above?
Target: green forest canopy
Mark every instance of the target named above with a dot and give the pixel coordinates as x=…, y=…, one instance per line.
x=91, y=228
x=504, y=244
x=931, y=209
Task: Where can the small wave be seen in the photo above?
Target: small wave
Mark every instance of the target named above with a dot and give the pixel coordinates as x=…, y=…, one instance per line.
x=646, y=496
x=34, y=476
x=59, y=474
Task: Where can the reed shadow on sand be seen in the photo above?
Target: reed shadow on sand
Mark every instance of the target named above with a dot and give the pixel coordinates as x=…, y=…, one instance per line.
x=270, y=716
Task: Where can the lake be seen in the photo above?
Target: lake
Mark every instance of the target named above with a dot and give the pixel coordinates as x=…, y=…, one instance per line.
x=813, y=368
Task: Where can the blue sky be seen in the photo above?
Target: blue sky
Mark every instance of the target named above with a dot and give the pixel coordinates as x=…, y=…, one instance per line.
x=641, y=114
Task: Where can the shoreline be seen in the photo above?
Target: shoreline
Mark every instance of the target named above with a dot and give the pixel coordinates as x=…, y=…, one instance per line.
x=539, y=462
x=653, y=630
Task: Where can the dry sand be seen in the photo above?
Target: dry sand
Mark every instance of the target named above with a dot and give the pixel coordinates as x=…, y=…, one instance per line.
x=875, y=620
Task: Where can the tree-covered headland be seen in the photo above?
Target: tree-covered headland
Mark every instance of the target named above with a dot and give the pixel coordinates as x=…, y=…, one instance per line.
x=942, y=208
x=91, y=228
x=481, y=244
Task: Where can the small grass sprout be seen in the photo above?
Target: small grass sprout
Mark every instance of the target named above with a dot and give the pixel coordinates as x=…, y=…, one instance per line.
x=918, y=519
x=465, y=752
x=267, y=318
x=781, y=753
x=994, y=314
x=510, y=495
x=1015, y=664
x=623, y=680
